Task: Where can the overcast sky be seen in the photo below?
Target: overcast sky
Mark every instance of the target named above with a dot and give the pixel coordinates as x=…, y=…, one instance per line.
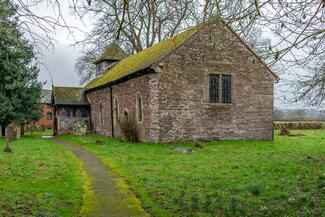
x=59, y=62
x=57, y=66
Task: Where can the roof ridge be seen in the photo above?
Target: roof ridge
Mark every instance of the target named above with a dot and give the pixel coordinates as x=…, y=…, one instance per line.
x=154, y=54
x=250, y=49
x=69, y=96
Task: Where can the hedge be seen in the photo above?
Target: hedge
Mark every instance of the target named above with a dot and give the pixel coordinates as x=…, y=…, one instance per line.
x=299, y=125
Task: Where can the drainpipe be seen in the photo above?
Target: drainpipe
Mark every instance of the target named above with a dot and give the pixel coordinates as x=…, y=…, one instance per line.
x=112, y=115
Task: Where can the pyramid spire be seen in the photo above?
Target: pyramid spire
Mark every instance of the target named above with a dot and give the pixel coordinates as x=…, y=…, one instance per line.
x=112, y=52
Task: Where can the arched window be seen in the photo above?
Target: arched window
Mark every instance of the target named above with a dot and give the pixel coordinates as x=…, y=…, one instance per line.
x=101, y=118
x=116, y=110
x=126, y=114
x=139, y=108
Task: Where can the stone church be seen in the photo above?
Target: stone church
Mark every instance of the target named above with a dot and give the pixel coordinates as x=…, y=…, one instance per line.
x=202, y=84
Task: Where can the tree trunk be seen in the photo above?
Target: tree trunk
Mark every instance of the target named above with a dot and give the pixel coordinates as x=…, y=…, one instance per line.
x=22, y=131
x=3, y=129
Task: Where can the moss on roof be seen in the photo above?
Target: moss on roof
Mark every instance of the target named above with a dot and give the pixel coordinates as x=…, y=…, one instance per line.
x=112, y=52
x=69, y=96
x=142, y=59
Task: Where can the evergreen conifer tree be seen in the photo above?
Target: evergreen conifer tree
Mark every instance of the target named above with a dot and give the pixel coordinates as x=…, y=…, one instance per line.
x=20, y=91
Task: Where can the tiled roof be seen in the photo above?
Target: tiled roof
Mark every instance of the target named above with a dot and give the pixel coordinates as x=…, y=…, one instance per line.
x=69, y=96
x=112, y=52
x=142, y=60
x=154, y=54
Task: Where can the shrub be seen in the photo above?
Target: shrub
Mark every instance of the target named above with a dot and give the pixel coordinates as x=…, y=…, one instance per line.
x=79, y=129
x=299, y=125
x=285, y=132
x=256, y=191
x=129, y=128
x=31, y=128
x=42, y=127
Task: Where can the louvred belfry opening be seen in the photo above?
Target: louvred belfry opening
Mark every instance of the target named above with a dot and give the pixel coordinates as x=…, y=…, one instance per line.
x=111, y=55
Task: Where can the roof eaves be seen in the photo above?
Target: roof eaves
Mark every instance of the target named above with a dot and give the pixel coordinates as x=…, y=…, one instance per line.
x=143, y=71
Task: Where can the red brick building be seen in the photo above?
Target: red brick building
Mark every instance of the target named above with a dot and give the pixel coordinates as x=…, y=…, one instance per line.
x=203, y=84
x=47, y=114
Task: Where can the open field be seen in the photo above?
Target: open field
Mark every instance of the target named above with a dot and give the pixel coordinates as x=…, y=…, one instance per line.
x=39, y=179
x=227, y=178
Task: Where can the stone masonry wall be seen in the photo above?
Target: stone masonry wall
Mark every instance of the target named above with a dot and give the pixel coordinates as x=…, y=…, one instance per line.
x=126, y=94
x=176, y=99
x=184, y=109
x=97, y=98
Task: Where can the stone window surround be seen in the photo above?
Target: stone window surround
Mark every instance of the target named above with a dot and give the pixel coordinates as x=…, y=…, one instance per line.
x=205, y=99
x=116, y=110
x=101, y=113
x=137, y=107
x=126, y=113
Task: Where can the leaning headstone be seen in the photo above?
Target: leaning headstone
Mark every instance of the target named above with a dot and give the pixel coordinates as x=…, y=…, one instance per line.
x=79, y=129
x=11, y=134
x=17, y=126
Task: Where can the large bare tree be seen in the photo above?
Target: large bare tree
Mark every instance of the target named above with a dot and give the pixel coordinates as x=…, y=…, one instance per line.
x=138, y=24
x=39, y=27
x=295, y=26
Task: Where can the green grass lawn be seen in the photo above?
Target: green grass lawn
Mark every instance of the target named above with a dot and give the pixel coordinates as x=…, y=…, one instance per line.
x=38, y=133
x=40, y=178
x=227, y=178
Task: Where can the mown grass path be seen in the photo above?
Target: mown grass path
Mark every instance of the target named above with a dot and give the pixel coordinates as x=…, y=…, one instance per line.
x=106, y=196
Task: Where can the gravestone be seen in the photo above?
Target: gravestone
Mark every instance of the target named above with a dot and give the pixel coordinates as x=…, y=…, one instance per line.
x=11, y=133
